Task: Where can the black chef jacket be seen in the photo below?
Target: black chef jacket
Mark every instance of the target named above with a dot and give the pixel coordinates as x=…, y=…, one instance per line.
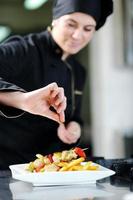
x=29, y=63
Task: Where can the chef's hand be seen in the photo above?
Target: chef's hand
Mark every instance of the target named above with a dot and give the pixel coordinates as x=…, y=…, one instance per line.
x=69, y=134
x=40, y=101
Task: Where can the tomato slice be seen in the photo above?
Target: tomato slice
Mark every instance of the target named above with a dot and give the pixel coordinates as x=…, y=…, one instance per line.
x=80, y=152
x=50, y=157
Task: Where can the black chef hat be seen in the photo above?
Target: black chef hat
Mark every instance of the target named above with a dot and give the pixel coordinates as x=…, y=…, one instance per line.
x=98, y=9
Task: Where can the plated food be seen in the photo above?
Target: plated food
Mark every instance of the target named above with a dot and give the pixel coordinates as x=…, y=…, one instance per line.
x=67, y=160
x=60, y=168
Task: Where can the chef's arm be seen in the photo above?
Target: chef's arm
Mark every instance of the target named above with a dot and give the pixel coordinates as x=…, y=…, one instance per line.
x=13, y=98
x=38, y=101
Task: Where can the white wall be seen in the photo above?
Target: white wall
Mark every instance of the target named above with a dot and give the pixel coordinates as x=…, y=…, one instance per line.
x=111, y=89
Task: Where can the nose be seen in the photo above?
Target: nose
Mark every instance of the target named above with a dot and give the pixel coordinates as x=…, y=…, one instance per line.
x=77, y=34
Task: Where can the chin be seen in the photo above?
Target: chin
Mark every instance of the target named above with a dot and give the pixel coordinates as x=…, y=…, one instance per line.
x=73, y=51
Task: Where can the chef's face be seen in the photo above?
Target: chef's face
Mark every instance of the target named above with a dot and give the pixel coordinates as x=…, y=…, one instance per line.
x=72, y=32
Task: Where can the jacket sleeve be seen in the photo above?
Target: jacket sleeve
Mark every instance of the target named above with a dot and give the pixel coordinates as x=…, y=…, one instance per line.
x=12, y=60
x=7, y=111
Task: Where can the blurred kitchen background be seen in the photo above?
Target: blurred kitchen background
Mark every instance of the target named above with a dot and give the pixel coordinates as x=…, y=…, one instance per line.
x=108, y=96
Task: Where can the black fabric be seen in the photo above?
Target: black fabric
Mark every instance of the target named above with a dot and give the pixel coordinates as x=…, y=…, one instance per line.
x=28, y=63
x=106, y=10
x=98, y=9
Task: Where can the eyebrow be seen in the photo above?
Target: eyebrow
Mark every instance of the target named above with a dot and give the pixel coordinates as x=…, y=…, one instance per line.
x=89, y=25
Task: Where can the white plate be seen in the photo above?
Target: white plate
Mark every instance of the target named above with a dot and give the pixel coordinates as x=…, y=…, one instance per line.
x=59, y=178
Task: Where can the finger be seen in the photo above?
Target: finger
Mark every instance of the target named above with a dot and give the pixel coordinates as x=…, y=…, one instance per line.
x=60, y=96
x=50, y=88
x=54, y=93
x=53, y=86
x=62, y=116
x=62, y=106
x=57, y=92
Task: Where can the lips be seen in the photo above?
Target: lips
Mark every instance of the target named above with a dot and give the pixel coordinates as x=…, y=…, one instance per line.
x=74, y=45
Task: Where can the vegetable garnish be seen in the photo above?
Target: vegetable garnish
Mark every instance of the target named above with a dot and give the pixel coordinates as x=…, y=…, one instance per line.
x=67, y=160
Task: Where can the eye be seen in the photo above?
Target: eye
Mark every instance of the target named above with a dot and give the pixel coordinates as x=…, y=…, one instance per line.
x=90, y=29
x=72, y=25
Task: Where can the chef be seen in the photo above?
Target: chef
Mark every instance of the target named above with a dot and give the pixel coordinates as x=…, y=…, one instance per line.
x=28, y=65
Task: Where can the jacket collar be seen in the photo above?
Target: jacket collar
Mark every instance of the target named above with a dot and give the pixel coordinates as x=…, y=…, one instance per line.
x=54, y=47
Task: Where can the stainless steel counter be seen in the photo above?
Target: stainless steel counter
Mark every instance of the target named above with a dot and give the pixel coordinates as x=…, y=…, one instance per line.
x=11, y=189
